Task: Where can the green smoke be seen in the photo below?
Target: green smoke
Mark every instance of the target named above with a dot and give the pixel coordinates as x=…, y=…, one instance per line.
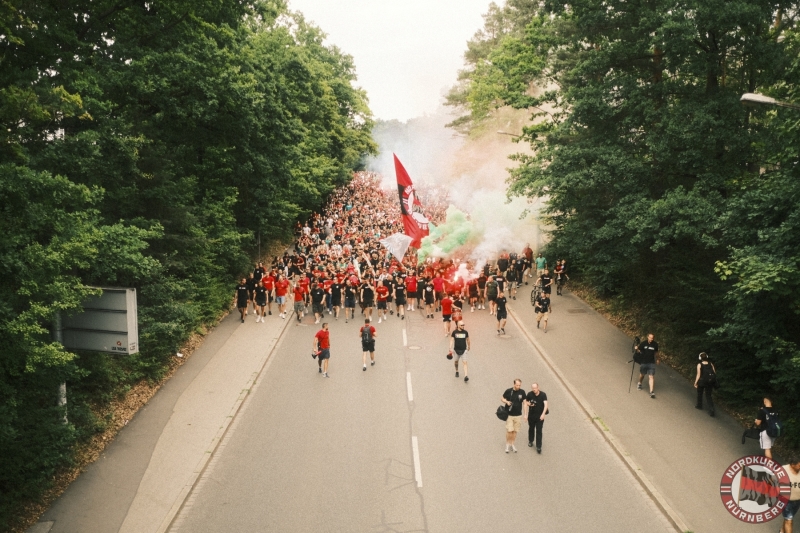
x=443, y=240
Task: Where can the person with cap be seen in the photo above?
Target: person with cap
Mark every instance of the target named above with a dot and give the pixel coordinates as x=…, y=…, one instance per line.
x=460, y=345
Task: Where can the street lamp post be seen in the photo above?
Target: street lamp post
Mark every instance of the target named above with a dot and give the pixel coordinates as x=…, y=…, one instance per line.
x=755, y=99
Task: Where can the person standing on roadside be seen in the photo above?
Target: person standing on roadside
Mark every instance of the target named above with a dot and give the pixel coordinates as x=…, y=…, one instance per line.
x=367, y=334
x=514, y=398
x=762, y=421
x=650, y=358
x=535, y=411
x=322, y=347
x=242, y=297
x=502, y=312
x=460, y=344
x=793, y=505
x=705, y=380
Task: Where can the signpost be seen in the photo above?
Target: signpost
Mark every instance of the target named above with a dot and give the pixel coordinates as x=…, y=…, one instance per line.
x=108, y=323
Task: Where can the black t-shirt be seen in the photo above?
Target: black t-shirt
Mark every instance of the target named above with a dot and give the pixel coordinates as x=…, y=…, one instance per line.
x=544, y=305
x=241, y=293
x=516, y=397
x=336, y=291
x=537, y=404
x=349, y=291
x=460, y=342
x=500, y=282
x=251, y=283
x=400, y=290
x=501, y=304
x=545, y=282
x=258, y=273
x=429, y=294
x=261, y=294
x=368, y=293
x=317, y=295
x=648, y=350
x=519, y=264
x=482, y=282
x=502, y=264
x=762, y=416
x=511, y=275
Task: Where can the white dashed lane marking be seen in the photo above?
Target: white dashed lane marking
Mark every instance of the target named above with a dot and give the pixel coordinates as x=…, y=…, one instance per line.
x=408, y=385
x=417, y=468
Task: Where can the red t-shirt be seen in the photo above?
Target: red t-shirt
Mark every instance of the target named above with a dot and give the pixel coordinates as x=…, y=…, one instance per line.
x=304, y=283
x=281, y=287
x=326, y=285
x=324, y=339
x=383, y=292
x=269, y=283
x=447, y=305
x=411, y=284
x=298, y=293
x=438, y=284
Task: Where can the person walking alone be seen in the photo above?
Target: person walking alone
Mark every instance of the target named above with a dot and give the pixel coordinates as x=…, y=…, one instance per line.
x=536, y=409
x=705, y=380
x=793, y=505
x=649, y=351
x=766, y=412
x=322, y=347
x=367, y=334
x=460, y=344
x=514, y=398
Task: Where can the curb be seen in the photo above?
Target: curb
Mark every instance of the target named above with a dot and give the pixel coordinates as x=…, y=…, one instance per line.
x=201, y=467
x=661, y=502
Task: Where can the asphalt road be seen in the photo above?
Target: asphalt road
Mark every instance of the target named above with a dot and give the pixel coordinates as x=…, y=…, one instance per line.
x=313, y=454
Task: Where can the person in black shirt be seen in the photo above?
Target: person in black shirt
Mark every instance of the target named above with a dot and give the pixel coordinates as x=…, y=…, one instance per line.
x=536, y=407
x=649, y=351
x=400, y=297
x=459, y=343
x=242, y=297
x=349, y=300
x=502, y=313
x=367, y=298
x=764, y=440
x=336, y=297
x=251, y=287
x=429, y=296
x=511, y=277
x=317, y=296
x=546, y=282
x=542, y=309
x=260, y=296
x=705, y=381
x=514, y=398
x=259, y=271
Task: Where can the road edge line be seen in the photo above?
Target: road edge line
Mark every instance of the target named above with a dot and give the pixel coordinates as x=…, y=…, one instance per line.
x=660, y=501
x=201, y=467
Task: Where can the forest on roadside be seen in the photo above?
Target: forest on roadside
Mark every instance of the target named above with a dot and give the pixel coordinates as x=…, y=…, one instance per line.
x=671, y=199
x=147, y=145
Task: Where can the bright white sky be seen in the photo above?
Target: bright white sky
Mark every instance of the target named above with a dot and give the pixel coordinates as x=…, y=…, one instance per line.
x=407, y=52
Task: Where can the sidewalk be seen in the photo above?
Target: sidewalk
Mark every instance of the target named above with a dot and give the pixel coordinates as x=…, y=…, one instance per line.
x=139, y=481
x=682, y=451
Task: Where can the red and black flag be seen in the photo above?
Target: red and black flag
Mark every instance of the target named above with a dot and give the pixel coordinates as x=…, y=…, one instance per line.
x=415, y=222
x=759, y=486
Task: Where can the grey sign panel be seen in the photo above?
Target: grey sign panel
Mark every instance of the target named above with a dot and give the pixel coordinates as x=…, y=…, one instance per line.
x=108, y=323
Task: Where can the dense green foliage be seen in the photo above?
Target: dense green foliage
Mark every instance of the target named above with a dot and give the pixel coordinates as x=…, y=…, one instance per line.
x=146, y=145
x=665, y=191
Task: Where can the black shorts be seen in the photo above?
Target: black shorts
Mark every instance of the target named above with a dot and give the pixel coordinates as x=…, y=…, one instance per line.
x=241, y=303
x=368, y=346
x=350, y=303
x=367, y=303
x=446, y=318
x=492, y=298
x=501, y=315
x=261, y=302
x=336, y=302
x=381, y=304
x=401, y=300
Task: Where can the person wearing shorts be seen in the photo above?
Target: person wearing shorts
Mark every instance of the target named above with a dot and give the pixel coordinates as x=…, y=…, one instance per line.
x=490, y=293
x=501, y=313
x=792, y=508
x=322, y=348
x=349, y=300
x=429, y=296
x=482, y=291
x=251, y=287
x=260, y=297
x=367, y=298
x=317, y=302
x=299, y=304
x=367, y=334
x=542, y=309
x=541, y=265
x=400, y=297
x=649, y=351
x=281, y=289
x=460, y=345
x=764, y=440
x=447, y=313
x=514, y=398
x=242, y=297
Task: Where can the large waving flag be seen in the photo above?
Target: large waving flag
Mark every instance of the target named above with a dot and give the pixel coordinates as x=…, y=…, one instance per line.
x=415, y=223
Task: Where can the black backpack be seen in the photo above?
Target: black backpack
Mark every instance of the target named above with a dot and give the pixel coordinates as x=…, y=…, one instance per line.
x=774, y=424
x=707, y=374
x=366, y=333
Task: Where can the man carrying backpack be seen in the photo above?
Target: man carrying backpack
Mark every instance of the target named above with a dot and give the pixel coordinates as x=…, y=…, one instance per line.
x=768, y=421
x=368, y=333
x=705, y=380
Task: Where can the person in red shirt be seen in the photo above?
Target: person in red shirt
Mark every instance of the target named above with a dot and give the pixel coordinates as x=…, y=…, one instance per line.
x=281, y=290
x=299, y=306
x=382, y=293
x=322, y=349
x=411, y=286
x=447, y=311
x=367, y=333
x=305, y=283
x=326, y=286
x=269, y=284
x=438, y=286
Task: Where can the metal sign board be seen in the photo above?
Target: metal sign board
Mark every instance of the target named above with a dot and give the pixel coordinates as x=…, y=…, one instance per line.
x=108, y=323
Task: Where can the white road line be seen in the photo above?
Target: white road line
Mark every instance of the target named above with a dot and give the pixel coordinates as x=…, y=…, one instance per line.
x=408, y=385
x=417, y=468
x=405, y=337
